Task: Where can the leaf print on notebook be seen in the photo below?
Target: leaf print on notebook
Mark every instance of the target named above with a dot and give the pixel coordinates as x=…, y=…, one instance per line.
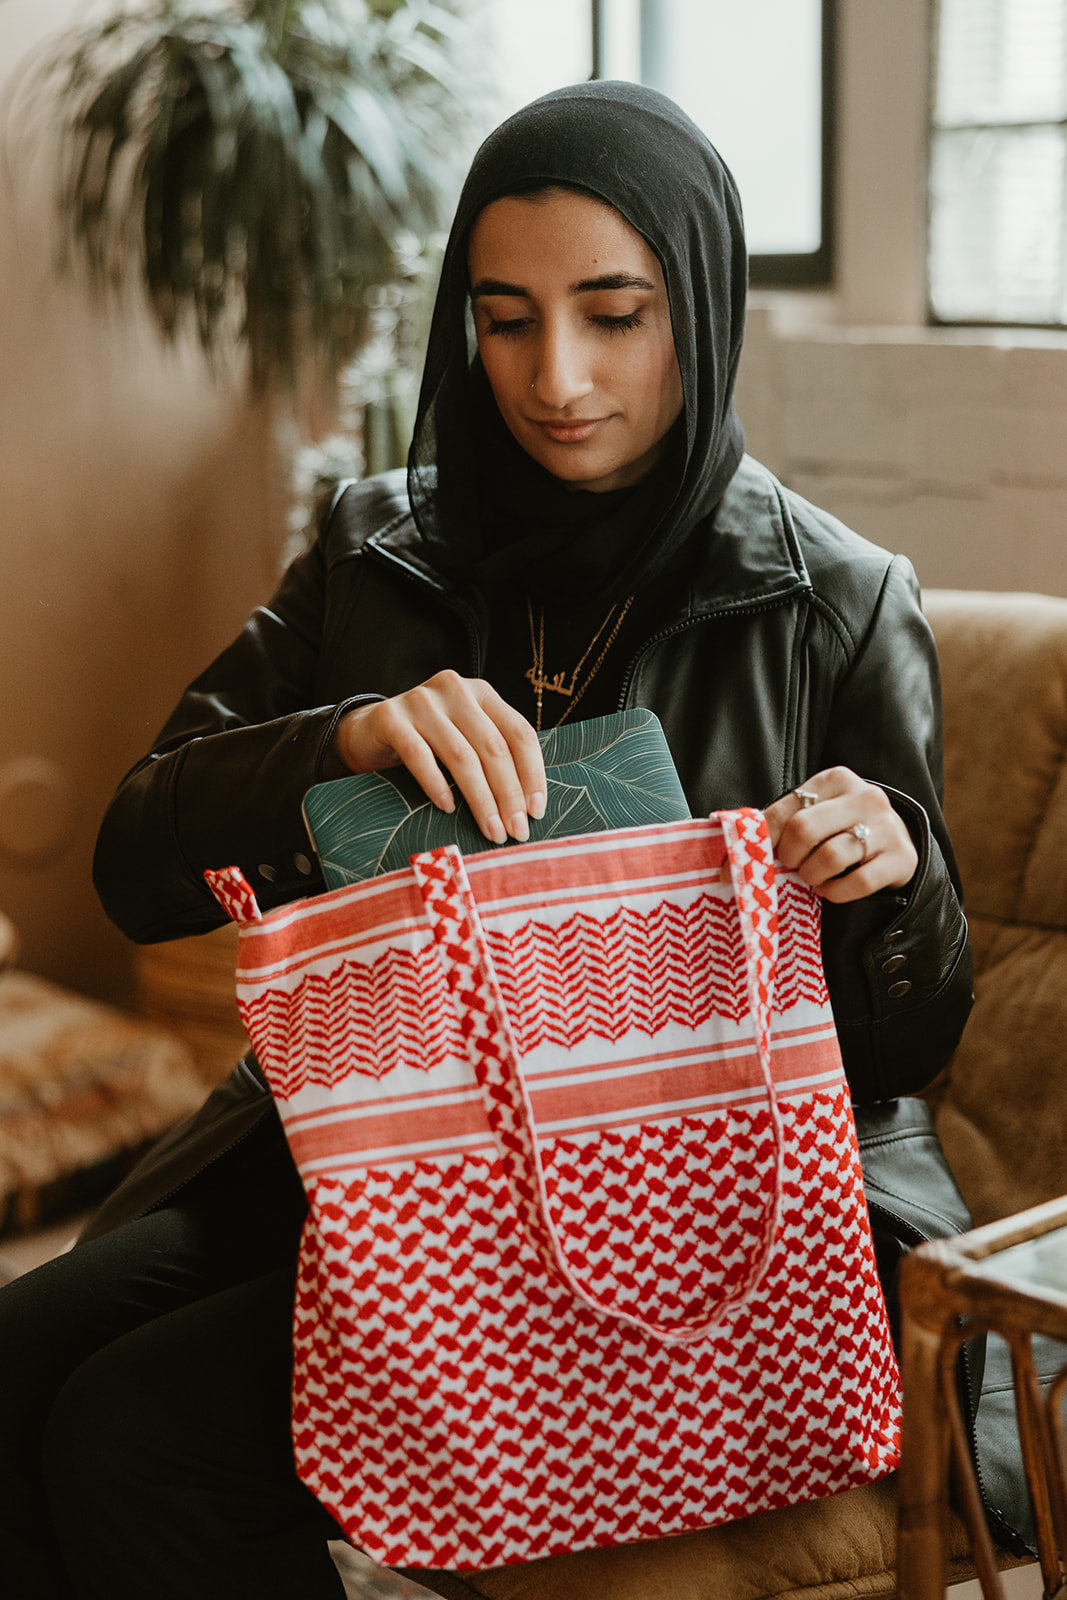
x=609, y=772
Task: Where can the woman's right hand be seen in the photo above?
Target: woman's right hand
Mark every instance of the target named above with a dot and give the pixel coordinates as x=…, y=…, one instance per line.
x=492, y=753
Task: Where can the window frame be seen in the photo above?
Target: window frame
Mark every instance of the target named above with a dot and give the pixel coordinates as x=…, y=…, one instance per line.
x=795, y=269
x=933, y=318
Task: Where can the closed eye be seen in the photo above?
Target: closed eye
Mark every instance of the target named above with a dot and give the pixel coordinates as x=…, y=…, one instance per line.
x=630, y=319
x=514, y=327
x=507, y=328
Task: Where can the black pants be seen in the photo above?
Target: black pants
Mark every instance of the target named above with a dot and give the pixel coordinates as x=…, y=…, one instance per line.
x=144, y=1404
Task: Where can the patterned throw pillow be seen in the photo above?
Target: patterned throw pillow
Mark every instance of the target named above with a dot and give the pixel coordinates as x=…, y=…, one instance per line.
x=83, y=1089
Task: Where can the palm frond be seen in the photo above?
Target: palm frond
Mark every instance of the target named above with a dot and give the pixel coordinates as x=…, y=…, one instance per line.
x=252, y=166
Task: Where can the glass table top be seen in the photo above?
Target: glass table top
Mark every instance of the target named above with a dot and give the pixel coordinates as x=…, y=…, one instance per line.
x=1037, y=1263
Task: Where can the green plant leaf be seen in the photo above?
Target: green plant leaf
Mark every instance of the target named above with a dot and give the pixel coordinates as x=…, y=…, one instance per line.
x=573, y=810
x=252, y=164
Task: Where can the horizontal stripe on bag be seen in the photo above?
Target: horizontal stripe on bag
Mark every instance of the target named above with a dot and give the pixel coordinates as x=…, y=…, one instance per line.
x=653, y=888
x=685, y=838
x=317, y=927
x=652, y=850
x=323, y=927
x=336, y=901
x=325, y=934
x=388, y=1106
x=734, y=1062
x=792, y=1090
x=575, y=1106
x=684, y=886
x=321, y=1160
x=412, y=934
x=322, y=934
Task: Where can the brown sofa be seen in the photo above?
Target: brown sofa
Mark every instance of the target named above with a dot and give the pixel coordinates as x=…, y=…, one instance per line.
x=1001, y=1105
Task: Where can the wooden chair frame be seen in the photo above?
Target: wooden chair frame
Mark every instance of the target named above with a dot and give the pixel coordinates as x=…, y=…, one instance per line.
x=944, y=1301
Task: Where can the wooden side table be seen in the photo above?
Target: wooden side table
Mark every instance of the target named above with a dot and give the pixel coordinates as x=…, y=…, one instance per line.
x=1009, y=1278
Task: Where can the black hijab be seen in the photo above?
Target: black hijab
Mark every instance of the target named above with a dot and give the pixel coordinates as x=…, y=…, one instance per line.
x=487, y=511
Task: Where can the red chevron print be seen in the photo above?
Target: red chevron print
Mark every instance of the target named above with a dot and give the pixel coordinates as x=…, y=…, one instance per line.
x=651, y=1308
x=560, y=983
x=360, y=1017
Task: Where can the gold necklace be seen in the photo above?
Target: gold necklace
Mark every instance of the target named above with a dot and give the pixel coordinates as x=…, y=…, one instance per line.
x=536, y=672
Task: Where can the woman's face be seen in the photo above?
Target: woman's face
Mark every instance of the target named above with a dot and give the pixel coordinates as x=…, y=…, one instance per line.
x=574, y=331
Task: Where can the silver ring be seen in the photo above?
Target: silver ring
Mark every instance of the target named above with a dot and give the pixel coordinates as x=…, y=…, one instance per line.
x=860, y=831
x=807, y=797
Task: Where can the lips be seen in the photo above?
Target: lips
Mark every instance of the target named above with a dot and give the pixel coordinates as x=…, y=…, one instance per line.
x=575, y=432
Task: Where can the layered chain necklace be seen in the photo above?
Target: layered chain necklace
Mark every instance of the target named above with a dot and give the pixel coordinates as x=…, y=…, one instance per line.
x=555, y=684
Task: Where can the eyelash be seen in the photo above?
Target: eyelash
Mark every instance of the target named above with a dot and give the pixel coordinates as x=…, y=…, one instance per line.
x=516, y=326
x=631, y=319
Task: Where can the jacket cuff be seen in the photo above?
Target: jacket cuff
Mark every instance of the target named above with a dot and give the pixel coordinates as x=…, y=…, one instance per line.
x=284, y=759
x=329, y=765
x=898, y=967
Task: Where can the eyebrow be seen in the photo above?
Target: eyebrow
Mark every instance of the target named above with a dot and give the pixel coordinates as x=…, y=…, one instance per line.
x=609, y=280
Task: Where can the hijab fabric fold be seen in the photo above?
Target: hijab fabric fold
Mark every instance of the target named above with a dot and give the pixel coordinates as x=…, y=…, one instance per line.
x=487, y=511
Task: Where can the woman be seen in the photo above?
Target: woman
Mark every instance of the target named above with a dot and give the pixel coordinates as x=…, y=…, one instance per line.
x=583, y=532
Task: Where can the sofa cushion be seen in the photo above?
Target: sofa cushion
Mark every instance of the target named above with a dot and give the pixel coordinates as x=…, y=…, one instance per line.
x=1001, y=1108
x=834, y=1549
x=82, y=1089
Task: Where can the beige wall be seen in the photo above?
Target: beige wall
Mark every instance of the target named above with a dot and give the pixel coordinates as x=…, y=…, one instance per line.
x=951, y=448
x=137, y=524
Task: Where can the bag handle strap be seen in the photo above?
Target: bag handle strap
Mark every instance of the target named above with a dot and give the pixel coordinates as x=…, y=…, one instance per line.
x=453, y=915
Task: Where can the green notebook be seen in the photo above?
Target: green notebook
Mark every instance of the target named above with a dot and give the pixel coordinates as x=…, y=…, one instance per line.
x=609, y=772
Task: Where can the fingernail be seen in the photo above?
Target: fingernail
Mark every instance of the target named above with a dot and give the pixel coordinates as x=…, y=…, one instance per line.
x=445, y=801
x=536, y=805
x=519, y=827
x=494, y=829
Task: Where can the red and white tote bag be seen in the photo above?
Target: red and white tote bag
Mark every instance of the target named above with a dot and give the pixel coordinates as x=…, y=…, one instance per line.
x=588, y=1259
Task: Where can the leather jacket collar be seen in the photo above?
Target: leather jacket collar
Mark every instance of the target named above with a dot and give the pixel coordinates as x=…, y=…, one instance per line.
x=751, y=558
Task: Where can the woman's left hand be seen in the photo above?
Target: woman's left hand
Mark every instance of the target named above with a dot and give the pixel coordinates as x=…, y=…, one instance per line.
x=846, y=827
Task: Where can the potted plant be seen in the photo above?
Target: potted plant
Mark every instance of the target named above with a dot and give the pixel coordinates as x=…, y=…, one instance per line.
x=253, y=164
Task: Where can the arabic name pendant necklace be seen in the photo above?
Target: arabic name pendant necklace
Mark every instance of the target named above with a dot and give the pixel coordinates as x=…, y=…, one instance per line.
x=555, y=684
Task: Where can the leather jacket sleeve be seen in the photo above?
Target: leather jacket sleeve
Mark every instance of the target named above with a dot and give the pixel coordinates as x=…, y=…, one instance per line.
x=898, y=964
x=224, y=782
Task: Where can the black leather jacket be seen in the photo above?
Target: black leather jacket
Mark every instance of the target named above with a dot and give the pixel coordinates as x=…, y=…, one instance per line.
x=796, y=646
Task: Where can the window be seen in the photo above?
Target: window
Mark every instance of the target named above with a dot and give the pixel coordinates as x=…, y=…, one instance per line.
x=758, y=78
x=998, y=163
x=532, y=46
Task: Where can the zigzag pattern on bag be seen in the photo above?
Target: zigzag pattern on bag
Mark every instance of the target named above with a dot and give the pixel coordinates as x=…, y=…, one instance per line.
x=461, y=1395
x=586, y=977
x=367, y=1018
x=682, y=964
x=457, y=1406
x=680, y=1198
x=450, y=905
x=449, y=902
